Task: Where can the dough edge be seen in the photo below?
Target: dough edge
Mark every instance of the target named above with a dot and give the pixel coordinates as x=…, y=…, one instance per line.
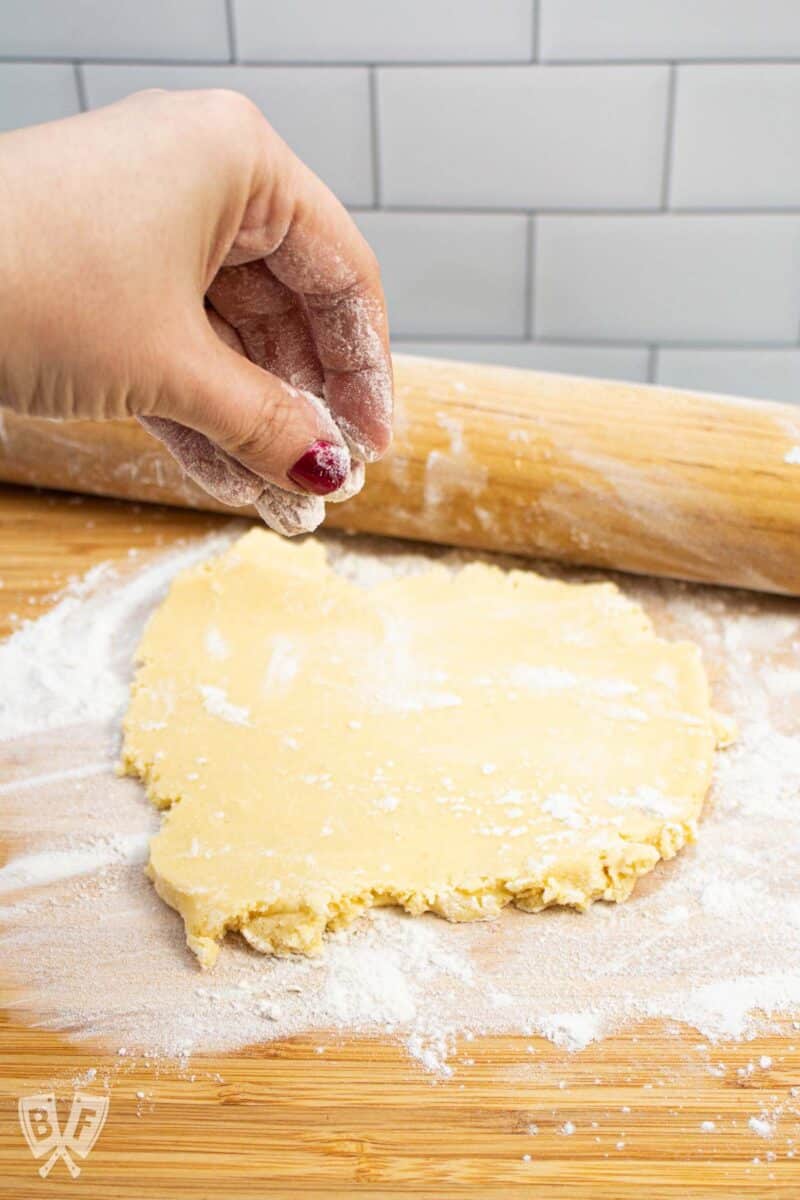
x=297, y=925
x=284, y=930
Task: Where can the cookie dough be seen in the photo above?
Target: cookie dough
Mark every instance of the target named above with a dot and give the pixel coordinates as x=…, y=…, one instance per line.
x=451, y=741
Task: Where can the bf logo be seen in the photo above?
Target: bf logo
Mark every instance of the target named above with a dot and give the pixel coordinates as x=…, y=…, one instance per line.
x=38, y=1118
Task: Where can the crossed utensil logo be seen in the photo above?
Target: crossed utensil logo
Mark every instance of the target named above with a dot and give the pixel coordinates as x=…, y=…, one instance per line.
x=38, y=1118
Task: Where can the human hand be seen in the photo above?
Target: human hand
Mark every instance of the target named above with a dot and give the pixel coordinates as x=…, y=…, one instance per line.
x=168, y=257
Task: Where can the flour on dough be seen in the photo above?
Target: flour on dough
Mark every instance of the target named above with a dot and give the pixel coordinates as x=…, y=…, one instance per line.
x=449, y=741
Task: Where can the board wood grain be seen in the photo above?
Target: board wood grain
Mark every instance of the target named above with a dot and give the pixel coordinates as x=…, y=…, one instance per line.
x=360, y=1118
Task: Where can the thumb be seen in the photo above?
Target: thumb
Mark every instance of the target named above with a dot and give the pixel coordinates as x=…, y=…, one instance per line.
x=282, y=434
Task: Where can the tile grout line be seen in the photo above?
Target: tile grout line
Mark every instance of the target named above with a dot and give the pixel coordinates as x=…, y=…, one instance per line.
x=652, y=363
x=375, y=139
x=88, y=60
x=231, y=24
x=434, y=209
x=412, y=64
x=702, y=344
x=80, y=86
x=669, y=138
x=530, y=253
x=81, y=70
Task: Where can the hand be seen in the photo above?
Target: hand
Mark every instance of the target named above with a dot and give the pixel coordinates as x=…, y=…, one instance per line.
x=169, y=258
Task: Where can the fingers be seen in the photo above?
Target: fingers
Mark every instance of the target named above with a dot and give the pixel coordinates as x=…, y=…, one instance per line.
x=229, y=482
x=288, y=513
x=348, y=325
x=312, y=246
x=220, y=475
x=259, y=316
x=351, y=486
x=278, y=432
x=270, y=323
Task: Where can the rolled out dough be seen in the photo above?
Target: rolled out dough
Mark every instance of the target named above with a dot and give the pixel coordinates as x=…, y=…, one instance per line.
x=448, y=741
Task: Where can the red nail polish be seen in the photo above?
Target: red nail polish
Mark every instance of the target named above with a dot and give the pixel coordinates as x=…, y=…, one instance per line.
x=322, y=469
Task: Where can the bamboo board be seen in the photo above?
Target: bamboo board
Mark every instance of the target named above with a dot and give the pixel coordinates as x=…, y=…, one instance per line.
x=360, y=1119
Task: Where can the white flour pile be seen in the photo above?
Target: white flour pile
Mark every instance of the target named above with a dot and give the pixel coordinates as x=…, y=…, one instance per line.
x=711, y=939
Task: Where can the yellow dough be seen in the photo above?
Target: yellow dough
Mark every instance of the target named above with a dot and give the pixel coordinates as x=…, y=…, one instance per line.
x=447, y=741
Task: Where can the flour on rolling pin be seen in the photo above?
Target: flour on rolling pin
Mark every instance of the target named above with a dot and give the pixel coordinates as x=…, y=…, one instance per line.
x=229, y=482
x=709, y=939
x=646, y=479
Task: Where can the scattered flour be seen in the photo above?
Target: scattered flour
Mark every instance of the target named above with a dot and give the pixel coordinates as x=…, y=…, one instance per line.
x=216, y=645
x=283, y=664
x=711, y=939
x=73, y=664
x=50, y=866
x=543, y=678
x=573, y=1031
x=216, y=702
x=563, y=808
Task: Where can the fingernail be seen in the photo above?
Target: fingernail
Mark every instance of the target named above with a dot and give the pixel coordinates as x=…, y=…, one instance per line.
x=322, y=469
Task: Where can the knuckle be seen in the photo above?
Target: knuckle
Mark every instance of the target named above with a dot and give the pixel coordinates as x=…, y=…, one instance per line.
x=368, y=266
x=233, y=105
x=371, y=268
x=151, y=91
x=272, y=419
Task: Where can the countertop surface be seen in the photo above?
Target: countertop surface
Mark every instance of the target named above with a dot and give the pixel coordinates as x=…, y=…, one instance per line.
x=361, y=1118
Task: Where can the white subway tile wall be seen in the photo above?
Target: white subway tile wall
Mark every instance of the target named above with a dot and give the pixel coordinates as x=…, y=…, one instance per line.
x=668, y=29
x=664, y=277
x=609, y=189
x=375, y=31
x=522, y=137
x=34, y=92
x=599, y=362
x=451, y=273
x=768, y=374
x=322, y=112
x=737, y=136
x=168, y=29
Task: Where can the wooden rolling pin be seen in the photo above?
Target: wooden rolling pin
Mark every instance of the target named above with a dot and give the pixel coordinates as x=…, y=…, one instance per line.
x=627, y=476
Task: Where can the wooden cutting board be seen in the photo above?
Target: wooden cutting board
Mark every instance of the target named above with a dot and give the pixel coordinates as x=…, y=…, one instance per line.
x=361, y=1119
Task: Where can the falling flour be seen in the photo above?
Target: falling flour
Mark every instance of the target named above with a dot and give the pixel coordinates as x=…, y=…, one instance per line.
x=711, y=939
